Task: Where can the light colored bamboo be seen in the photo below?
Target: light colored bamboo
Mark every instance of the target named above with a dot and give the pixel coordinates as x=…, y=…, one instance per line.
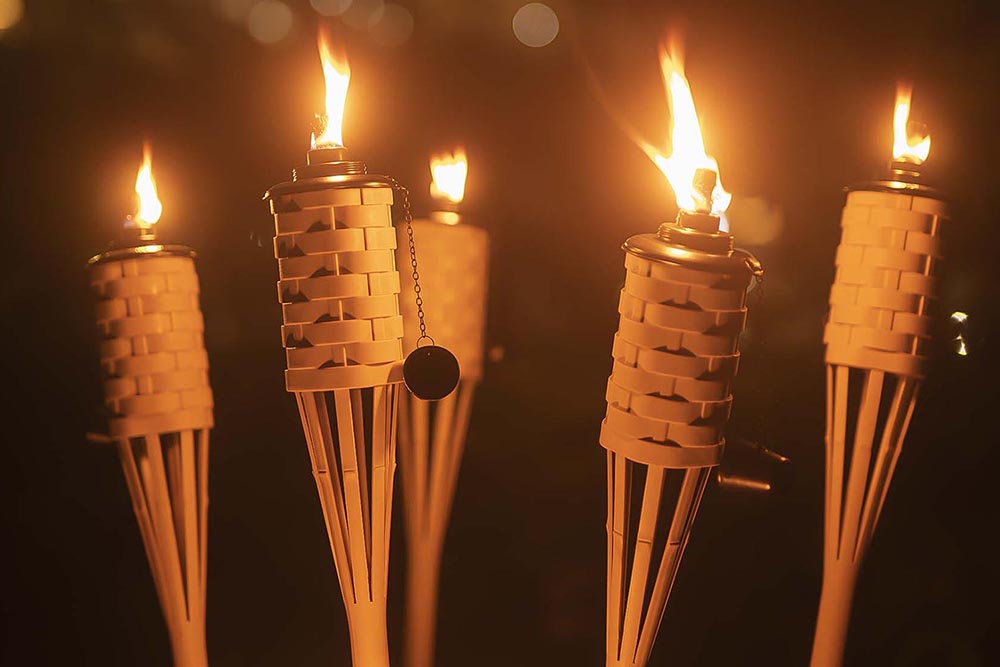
x=172, y=531
x=454, y=261
x=342, y=331
x=876, y=334
x=675, y=356
x=853, y=509
x=431, y=455
x=159, y=401
x=357, y=514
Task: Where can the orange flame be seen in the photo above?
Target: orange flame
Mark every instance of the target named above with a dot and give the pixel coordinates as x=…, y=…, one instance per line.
x=150, y=207
x=907, y=145
x=448, y=174
x=337, y=75
x=686, y=144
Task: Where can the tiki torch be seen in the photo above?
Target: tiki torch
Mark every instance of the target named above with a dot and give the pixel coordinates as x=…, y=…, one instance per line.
x=159, y=402
x=682, y=310
x=339, y=293
x=456, y=256
x=876, y=338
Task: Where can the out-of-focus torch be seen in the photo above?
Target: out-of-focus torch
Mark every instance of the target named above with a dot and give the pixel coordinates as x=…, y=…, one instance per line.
x=682, y=310
x=339, y=293
x=159, y=403
x=455, y=258
x=876, y=339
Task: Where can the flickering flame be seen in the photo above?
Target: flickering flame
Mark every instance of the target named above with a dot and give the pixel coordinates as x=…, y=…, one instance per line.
x=448, y=173
x=686, y=144
x=150, y=207
x=337, y=74
x=907, y=147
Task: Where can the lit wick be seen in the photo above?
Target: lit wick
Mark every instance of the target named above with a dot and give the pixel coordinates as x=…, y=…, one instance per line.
x=906, y=167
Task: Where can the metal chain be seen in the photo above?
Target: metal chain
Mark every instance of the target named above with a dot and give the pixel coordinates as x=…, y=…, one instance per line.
x=408, y=219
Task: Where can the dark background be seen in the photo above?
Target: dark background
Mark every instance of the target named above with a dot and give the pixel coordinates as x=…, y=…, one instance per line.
x=796, y=101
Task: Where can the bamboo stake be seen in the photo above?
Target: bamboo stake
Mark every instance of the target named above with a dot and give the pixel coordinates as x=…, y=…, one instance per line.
x=879, y=480
x=328, y=495
x=380, y=503
x=409, y=465
x=141, y=509
x=357, y=418
x=648, y=516
x=389, y=432
x=898, y=448
x=175, y=484
x=692, y=489
x=191, y=547
x=871, y=397
x=467, y=389
x=203, y=512
x=420, y=413
x=161, y=523
x=356, y=540
x=440, y=460
x=619, y=529
x=836, y=490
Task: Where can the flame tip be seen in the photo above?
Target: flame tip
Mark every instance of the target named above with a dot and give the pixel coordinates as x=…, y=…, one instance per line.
x=150, y=208
x=337, y=80
x=911, y=141
x=687, y=147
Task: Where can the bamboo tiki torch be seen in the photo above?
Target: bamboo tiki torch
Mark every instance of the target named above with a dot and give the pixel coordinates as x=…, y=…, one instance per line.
x=455, y=256
x=339, y=292
x=875, y=339
x=159, y=402
x=682, y=310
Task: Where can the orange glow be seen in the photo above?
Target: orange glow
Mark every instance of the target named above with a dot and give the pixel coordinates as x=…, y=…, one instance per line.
x=150, y=207
x=448, y=174
x=907, y=147
x=686, y=144
x=337, y=74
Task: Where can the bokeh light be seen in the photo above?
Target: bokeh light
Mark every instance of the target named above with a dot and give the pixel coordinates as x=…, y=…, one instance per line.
x=755, y=221
x=11, y=12
x=269, y=21
x=363, y=13
x=393, y=27
x=235, y=11
x=331, y=7
x=536, y=25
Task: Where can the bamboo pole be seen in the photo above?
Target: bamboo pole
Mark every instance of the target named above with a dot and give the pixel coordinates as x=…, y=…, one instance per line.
x=432, y=454
x=876, y=329
x=668, y=400
x=159, y=402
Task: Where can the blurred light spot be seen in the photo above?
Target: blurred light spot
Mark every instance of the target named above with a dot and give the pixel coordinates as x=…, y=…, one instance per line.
x=393, y=27
x=363, y=13
x=269, y=21
x=536, y=24
x=496, y=353
x=331, y=7
x=959, y=322
x=233, y=10
x=755, y=221
x=11, y=12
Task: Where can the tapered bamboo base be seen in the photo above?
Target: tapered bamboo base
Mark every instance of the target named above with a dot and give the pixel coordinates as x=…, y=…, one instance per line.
x=351, y=438
x=857, y=482
x=431, y=457
x=167, y=477
x=875, y=338
x=633, y=616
